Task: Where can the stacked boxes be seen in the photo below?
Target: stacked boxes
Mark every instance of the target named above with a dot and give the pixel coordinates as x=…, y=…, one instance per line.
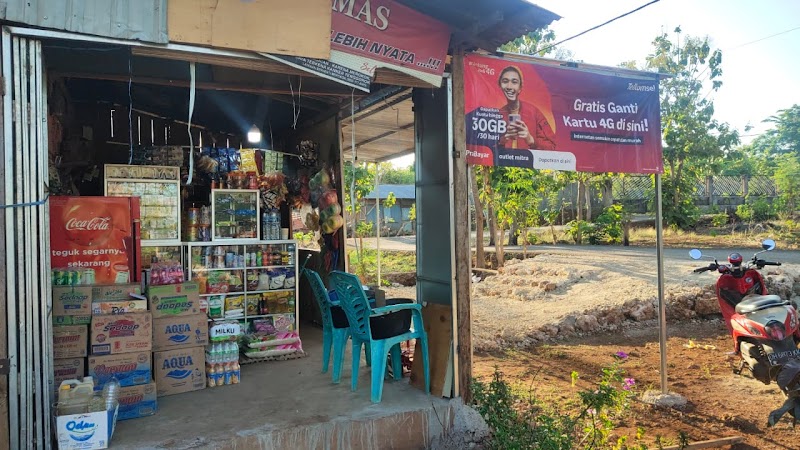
x=180, y=333
x=72, y=309
x=121, y=343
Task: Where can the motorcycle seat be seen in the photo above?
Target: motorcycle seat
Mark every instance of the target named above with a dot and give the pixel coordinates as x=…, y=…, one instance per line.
x=752, y=303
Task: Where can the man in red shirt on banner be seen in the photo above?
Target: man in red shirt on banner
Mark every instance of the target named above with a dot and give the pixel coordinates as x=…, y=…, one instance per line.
x=527, y=126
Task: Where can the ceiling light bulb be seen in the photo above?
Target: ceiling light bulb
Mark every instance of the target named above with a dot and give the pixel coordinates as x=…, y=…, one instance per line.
x=254, y=135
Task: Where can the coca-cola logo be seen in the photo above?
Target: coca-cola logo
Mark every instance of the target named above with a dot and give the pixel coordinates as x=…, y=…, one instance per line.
x=93, y=224
x=87, y=223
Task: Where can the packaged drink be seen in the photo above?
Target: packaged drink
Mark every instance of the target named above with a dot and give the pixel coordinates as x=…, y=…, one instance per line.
x=227, y=374
x=235, y=372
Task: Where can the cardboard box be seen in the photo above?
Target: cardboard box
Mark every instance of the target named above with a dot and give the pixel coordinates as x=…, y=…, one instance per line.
x=174, y=300
x=137, y=401
x=119, y=307
x=70, y=341
x=180, y=331
x=72, y=300
x=90, y=431
x=68, y=369
x=111, y=292
x=72, y=320
x=180, y=370
x=121, y=333
x=130, y=369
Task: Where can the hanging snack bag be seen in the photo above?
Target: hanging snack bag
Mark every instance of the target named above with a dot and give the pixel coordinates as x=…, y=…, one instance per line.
x=248, y=156
x=234, y=160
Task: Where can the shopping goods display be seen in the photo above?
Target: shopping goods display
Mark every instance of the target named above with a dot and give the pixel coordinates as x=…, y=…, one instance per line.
x=235, y=214
x=78, y=405
x=158, y=187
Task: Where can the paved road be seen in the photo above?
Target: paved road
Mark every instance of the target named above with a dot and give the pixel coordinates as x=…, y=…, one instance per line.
x=644, y=255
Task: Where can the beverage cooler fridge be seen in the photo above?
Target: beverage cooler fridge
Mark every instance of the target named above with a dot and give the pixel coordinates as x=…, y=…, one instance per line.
x=95, y=237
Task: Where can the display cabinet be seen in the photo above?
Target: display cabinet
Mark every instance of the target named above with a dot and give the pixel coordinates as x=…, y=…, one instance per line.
x=158, y=188
x=235, y=214
x=245, y=280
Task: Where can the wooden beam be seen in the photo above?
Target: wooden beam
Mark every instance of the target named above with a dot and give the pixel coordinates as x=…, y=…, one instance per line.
x=711, y=443
x=256, y=63
x=460, y=209
x=212, y=86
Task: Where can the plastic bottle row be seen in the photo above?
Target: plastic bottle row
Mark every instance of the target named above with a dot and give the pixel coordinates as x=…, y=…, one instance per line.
x=222, y=374
x=222, y=352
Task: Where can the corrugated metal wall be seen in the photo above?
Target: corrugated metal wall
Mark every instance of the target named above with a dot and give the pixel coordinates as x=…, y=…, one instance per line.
x=143, y=20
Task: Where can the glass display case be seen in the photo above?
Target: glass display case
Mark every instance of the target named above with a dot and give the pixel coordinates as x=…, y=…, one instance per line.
x=158, y=188
x=235, y=214
x=244, y=280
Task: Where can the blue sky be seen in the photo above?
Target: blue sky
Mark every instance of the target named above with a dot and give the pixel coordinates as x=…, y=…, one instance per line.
x=758, y=78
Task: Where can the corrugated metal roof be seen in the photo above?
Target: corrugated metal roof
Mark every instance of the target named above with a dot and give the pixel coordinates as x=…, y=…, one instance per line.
x=485, y=24
x=142, y=20
x=401, y=191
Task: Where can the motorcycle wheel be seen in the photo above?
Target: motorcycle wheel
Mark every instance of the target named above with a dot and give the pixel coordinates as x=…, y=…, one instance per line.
x=756, y=361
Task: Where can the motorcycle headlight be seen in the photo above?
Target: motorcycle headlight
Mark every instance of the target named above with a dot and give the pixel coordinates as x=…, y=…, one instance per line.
x=775, y=330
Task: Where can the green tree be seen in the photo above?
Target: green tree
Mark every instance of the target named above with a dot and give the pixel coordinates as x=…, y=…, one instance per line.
x=786, y=133
x=393, y=175
x=787, y=179
x=692, y=137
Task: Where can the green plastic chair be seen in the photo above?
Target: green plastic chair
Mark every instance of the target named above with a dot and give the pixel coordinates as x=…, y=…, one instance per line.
x=354, y=302
x=335, y=327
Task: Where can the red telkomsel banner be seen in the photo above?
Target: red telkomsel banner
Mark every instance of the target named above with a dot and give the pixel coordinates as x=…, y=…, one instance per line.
x=386, y=33
x=546, y=117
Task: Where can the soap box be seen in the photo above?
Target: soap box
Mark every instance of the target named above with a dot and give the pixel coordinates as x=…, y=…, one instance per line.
x=111, y=292
x=130, y=369
x=68, y=369
x=137, y=401
x=69, y=341
x=121, y=333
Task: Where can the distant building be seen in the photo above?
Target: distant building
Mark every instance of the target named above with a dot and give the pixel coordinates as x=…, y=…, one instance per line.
x=395, y=220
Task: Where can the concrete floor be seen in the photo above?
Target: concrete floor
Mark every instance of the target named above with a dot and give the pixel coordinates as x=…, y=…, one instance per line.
x=291, y=405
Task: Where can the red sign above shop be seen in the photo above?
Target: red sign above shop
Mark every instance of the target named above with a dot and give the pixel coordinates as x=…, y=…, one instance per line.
x=94, y=234
x=547, y=117
x=366, y=34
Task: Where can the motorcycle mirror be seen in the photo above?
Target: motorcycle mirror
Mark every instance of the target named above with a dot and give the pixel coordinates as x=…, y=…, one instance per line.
x=768, y=244
x=695, y=253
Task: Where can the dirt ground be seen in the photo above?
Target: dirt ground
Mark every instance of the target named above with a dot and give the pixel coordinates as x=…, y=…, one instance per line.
x=527, y=294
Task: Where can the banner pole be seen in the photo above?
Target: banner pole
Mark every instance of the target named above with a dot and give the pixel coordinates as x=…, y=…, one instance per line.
x=662, y=307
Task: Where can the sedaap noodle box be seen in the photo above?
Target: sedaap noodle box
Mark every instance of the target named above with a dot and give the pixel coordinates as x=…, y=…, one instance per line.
x=121, y=333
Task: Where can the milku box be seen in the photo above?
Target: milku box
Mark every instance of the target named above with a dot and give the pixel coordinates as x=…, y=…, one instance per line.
x=174, y=300
x=180, y=331
x=69, y=341
x=68, y=369
x=180, y=370
x=121, y=333
x=137, y=401
x=130, y=369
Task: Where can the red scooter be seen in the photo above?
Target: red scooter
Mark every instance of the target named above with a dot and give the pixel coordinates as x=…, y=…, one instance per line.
x=764, y=327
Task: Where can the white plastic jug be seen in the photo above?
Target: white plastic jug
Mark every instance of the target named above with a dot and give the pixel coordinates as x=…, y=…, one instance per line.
x=74, y=396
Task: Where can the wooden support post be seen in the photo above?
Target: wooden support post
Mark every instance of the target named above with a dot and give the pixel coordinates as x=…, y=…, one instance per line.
x=462, y=234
